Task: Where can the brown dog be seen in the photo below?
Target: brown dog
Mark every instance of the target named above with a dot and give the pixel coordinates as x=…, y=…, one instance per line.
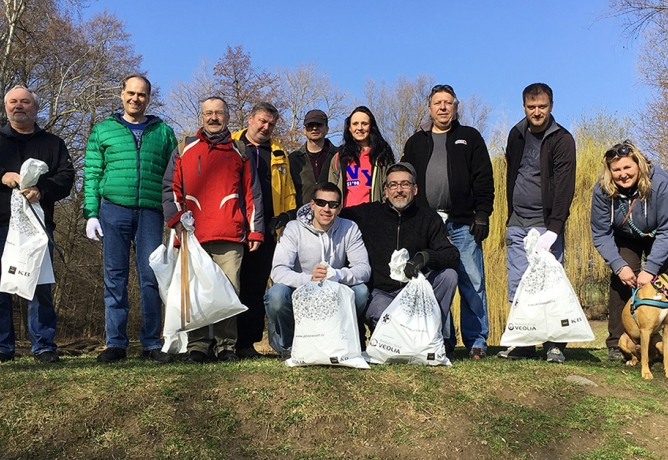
x=650, y=320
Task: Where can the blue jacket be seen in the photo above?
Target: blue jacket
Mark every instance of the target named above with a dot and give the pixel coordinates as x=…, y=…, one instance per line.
x=647, y=216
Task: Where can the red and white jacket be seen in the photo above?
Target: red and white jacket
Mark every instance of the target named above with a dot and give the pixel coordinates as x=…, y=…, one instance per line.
x=219, y=184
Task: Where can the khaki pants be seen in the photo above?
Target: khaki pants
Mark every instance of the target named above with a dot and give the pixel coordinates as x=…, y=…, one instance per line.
x=227, y=255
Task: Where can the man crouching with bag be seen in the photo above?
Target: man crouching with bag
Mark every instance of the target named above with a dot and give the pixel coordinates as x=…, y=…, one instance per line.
x=399, y=223
x=316, y=241
x=214, y=178
x=20, y=140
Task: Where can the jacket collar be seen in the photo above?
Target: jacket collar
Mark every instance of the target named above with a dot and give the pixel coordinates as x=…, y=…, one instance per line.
x=7, y=130
x=523, y=125
x=429, y=124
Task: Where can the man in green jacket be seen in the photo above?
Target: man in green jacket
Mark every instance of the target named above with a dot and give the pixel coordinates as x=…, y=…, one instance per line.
x=125, y=160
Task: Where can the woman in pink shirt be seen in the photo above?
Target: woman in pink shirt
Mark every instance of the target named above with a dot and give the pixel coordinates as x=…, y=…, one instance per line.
x=364, y=157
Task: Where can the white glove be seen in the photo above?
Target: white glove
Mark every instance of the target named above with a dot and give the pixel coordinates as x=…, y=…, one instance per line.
x=93, y=227
x=545, y=241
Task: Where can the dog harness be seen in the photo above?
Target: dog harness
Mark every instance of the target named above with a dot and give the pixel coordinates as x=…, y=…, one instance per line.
x=659, y=285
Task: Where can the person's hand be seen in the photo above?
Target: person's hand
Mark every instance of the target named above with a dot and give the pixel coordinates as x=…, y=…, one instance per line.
x=278, y=221
x=414, y=265
x=627, y=276
x=644, y=278
x=11, y=179
x=179, y=229
x=93, y=229
x=546, y=241
x=253, y=245
x=32, y=194
x=319, y=272
x=480, y=227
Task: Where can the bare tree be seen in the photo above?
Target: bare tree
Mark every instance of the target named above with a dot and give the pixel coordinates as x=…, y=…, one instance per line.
x=302, y=89
x=399, y=108
x=242, y=85
x=648, y=20
x=475, y=112
x=185, y=98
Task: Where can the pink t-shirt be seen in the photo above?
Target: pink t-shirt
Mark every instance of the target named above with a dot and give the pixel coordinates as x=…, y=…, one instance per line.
x=358, y=180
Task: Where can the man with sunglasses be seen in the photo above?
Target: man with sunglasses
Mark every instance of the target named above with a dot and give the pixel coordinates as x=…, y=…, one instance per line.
x=540, y=184
x=309, y=165
x=317, y=241
x=455, y=178
x=400, y=223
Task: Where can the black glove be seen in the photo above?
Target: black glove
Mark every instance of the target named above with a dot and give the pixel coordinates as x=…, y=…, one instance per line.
x=278, y=221
x=414, y=265
x=480, y=227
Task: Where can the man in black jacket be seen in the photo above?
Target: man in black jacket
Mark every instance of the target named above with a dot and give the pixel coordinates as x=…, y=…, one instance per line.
x=20, y=140
x=540, y=184
x=399, y=223
x=454, y=177
x=309, y=165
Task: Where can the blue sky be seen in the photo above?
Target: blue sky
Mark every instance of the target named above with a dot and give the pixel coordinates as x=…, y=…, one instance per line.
x=488, y=47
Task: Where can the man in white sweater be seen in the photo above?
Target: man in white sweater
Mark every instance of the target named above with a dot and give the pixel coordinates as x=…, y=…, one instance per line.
x=316, y=240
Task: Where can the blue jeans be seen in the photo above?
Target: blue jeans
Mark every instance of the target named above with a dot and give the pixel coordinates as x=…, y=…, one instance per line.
x=123, y=226
x=444, y=283
x=517, y=262
x=281, y=320
x=41, y=314
x=474, y=324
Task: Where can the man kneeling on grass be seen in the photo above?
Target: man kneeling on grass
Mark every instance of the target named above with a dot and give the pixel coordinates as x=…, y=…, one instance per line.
x=317, y=238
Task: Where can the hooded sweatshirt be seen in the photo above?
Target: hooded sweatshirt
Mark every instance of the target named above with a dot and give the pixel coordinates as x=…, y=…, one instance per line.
x=648, y=216
x=302, y=247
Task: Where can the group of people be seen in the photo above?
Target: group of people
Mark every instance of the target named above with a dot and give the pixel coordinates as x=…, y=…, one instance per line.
x=323, y=212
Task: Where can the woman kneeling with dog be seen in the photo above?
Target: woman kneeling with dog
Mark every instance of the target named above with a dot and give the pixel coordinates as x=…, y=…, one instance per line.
x=629, y=219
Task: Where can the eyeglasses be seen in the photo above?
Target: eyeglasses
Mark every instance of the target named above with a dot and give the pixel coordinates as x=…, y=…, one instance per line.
x=322, y=203
x=209, y=113
x=623, y=150
x=403, y=184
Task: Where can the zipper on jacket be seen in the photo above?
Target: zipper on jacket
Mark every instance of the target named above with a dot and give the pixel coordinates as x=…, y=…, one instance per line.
x=199, y=163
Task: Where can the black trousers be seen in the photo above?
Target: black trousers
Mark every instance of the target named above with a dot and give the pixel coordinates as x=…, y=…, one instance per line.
x=255, y=271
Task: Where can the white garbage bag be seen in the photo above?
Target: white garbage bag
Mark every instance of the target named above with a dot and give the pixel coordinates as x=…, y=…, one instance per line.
x=545, y=307
x=25, y=259
x=212, y=296
x=325, y=326
x=409, y=331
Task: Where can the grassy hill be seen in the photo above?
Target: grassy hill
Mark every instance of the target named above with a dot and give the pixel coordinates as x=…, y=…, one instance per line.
x=492, y=408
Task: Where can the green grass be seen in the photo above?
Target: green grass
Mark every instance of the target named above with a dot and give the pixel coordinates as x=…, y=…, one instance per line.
x=263, y=410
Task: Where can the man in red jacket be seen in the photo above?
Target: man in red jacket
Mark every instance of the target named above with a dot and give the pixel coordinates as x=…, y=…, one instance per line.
x=215, y=180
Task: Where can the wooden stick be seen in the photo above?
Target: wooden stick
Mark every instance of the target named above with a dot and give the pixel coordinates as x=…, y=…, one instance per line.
x=185, y=282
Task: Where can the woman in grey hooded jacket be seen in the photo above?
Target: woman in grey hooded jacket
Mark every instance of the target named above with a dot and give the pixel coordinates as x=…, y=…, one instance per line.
x=629, y=220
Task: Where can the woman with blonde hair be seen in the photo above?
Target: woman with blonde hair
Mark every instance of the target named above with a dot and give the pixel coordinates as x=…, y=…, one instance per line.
x=629, y=221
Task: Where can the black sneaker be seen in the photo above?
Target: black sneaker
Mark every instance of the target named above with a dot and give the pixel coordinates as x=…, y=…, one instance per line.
x=518, y=353
x=285, y=355
x=156, y=355
x=555, y=355
x=47, y=357
x=4, y=357
x=227, y=356
x=449, y=351
x=196, y=357
x=615, y=354
x=111, y=355
x=477, y=353
x=248, y=353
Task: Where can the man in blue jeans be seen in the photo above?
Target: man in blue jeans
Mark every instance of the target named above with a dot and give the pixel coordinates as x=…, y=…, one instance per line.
x=540, y=185
x=454, y=177
x=125, y=161
x=20, y=140
x=317, y=241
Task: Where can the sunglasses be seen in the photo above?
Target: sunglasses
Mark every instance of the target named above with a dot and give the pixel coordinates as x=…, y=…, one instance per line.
x=623, y=150
x=322, y=203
